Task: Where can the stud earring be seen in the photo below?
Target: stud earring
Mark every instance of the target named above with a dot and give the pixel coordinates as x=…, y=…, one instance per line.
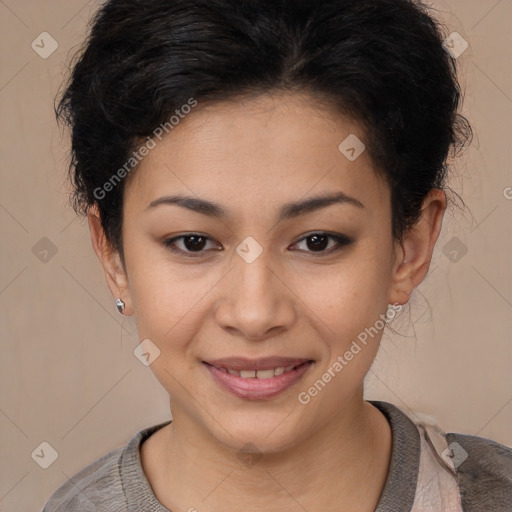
x=120, y=306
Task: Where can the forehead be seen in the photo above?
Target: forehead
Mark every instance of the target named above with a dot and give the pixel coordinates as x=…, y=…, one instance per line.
x=261, y=150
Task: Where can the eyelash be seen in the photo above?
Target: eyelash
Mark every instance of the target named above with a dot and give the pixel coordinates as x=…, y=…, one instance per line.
x=341, y=240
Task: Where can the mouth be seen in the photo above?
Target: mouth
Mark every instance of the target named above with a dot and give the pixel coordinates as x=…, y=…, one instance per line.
x=258, y=379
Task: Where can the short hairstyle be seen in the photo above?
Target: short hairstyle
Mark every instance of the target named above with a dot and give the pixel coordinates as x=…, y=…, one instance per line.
x=379, y=62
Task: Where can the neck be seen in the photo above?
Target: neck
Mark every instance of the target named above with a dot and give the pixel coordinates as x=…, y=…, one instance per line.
x=342, y=466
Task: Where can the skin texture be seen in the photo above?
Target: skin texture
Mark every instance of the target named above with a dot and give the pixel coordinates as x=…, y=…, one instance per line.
x=251, y=157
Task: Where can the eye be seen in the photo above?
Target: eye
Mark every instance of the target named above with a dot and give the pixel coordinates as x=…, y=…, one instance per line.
x=192, y=242
x=317, y=243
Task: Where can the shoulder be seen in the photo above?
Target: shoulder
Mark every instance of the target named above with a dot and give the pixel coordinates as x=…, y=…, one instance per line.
x=466, y=472
x=91, y=487
x=484, y=472
x=108, y=482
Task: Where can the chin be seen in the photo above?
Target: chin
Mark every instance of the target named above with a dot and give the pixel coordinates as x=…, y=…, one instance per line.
x=257, y=433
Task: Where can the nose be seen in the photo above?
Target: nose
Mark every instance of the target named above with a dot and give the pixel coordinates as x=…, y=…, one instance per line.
x=256, y=302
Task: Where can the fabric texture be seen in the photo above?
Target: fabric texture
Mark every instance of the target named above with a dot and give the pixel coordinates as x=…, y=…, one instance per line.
x=430, y=471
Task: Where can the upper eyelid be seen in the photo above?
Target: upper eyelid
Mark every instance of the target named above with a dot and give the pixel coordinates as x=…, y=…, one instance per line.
x=172, y=240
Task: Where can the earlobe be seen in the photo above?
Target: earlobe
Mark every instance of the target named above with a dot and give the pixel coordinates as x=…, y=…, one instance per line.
x=414, y=251
x=110, y=260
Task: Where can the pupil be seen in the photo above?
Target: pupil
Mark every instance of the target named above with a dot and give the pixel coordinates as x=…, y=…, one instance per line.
x=322, y=244
x=195, y=244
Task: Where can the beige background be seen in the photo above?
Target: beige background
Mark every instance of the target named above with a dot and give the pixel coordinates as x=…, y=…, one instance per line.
x=68, y=375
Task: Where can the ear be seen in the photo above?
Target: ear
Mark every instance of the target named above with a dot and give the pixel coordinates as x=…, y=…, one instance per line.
x=413, y=253
x=110, y=259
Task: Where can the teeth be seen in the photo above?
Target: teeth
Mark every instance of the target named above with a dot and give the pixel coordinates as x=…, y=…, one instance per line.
x=265, y=374
x=259, y=374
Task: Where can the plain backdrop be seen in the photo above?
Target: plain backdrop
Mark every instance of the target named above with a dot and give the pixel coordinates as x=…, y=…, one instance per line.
x=68, y=375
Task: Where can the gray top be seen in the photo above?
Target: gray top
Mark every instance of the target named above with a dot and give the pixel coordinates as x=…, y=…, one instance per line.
x=482, y=480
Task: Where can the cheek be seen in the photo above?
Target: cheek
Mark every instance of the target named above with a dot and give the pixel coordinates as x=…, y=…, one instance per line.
x=160, y=295
x=352, y=293
x=166, y=305
x=351, y=303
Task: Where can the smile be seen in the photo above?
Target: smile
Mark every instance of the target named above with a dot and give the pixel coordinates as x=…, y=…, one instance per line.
x=258, y=383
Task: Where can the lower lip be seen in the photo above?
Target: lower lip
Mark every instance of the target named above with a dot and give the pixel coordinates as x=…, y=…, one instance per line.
x=257, y=389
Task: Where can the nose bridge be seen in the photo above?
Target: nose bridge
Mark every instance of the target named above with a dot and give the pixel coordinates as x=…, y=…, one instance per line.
x=253, y=274
x=257, y=301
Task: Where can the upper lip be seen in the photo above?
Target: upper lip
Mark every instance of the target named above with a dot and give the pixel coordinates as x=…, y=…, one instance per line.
x=266, y=363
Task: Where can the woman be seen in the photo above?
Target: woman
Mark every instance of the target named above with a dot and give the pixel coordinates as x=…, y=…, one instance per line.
x=264, y=184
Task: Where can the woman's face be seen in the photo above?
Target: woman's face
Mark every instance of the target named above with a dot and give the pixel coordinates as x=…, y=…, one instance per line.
x=255, y=283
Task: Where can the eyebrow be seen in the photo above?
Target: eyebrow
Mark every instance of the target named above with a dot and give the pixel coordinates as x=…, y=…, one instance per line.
x=287, y=211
